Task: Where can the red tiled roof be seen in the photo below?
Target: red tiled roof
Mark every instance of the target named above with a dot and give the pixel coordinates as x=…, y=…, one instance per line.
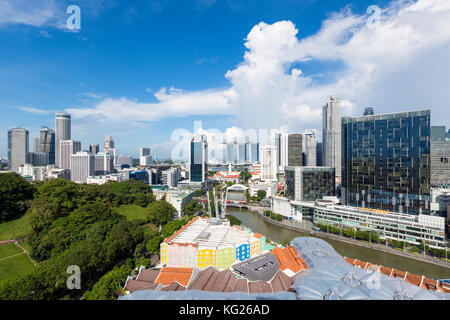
x=258, y=236
x=170, y=274
x=134, y=285
x=288, y=259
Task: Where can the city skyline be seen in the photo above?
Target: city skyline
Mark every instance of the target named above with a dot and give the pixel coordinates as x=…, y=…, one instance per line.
x=198, y=79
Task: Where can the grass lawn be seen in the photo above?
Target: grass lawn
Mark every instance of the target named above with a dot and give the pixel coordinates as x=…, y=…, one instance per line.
x=14, y=266
x=9, y=249
x=132, y=212
x=15, y=228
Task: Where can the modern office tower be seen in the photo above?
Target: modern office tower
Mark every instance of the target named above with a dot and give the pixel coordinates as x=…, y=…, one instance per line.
x=386, y=161
x=319, y=150
x=103, y=163
x=232, y=152
x=311, y=148
x=242, y=155
x=269, y=163
x=38, y=158
x=368, y=112
x=113, y=153
x=438, y=133
x=82, y=166
x=309, y=183
x=252, y=152
x=47, y=143
x=171, y=177
x=67, y=148
x=36, y=143
x=63, y=132
x=125, y=161
x=331, y=126
x=154, y=176
x=448, y=134
x=198, y=164
x=440, y=163
x=282, y=145
x=295, y=150
x=144, y=152
x=108, y=144
x=18, y=139
x=145, y=158
x=94, y=148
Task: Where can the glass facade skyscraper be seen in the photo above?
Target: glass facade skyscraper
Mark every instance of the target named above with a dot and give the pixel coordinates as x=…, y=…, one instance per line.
x=309, y=183
x=199, y=159
x=386, y=161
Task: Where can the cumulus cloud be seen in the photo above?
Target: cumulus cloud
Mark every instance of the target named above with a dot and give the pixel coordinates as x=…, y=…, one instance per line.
x=401, y=64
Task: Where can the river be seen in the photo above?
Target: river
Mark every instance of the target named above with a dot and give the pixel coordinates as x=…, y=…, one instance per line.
x=278, y=234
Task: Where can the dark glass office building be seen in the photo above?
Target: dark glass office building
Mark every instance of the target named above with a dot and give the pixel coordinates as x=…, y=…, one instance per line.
x=295, y=153
x=47, y=143
x=309, y=183
x=199, y=159
x=386, y=161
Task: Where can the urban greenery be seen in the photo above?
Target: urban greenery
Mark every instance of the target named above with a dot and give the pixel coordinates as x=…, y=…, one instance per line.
x=273, y=215
x=233, y=220
x=82, y=225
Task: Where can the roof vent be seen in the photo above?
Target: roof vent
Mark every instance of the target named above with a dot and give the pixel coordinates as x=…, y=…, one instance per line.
x=350, y=280
x=332, y=294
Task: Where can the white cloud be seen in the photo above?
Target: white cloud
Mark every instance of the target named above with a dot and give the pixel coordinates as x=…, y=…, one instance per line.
x=33, y=110
x=400, y=65
x=34, y=13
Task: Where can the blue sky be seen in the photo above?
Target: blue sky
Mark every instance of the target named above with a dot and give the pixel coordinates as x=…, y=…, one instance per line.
x=110, y=75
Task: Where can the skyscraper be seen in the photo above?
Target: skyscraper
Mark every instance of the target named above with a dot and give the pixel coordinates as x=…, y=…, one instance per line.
x=94, y=148
x=269, y=166
x=104, y=163
x=319, y=150
x=295, y=147
x=198, y=164
x=108, y=144
x=331, y=126
x=145, y=159
x=36, y=144
x=47, y=143
x=63, y=132
x=282, y=145
x=18, y=146
x=82, y=166
x=311, y=148
x=67, y=148
x=386, y=161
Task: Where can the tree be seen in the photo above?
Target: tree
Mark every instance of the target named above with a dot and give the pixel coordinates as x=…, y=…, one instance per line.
x=233, y=220
x=261, y=194
x=160, y=212
x=59, y=192
x=15, y=195
x=192, y=208
x=41, y=214
x=153, y=244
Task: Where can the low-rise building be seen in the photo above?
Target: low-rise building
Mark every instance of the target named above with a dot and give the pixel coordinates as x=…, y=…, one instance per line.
x=205, y=242
x=177, y=198
x=117, y=177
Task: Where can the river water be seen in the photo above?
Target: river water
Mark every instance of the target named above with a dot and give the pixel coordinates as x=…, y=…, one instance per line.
x=278, y=234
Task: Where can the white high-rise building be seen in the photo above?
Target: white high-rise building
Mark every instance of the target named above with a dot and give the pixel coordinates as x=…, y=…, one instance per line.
x=18, y=139
x=282, y=144
x=145, y=159
x=171, y=177
x=82, y=166
x=108, y=144
x=66, y=149
x=331, y=126
x=268, y=156
x=311, y=148
x=62, y=132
